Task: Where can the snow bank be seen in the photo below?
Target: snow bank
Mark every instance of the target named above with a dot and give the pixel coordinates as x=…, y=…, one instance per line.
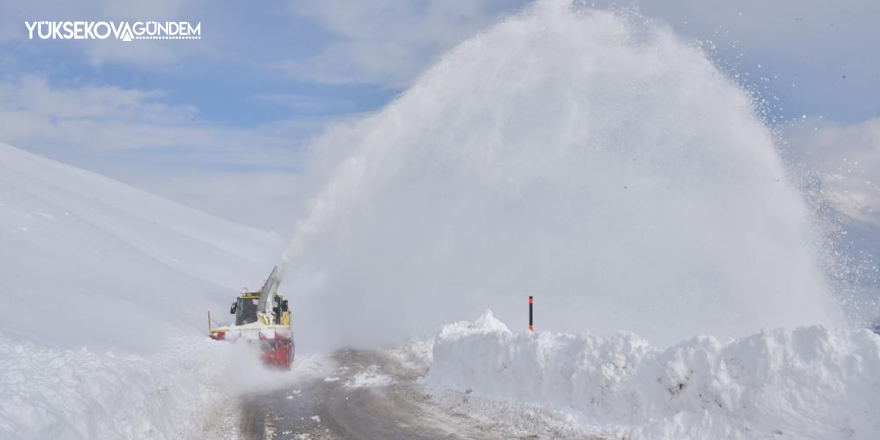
x=189, y=390
x=82, y=394
x=812, y=382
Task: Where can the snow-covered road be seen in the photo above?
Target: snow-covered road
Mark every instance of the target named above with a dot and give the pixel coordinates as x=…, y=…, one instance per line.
x=370, y=395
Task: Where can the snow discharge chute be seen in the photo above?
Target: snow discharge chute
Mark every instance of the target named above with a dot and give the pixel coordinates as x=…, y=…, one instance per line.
x=270, y=287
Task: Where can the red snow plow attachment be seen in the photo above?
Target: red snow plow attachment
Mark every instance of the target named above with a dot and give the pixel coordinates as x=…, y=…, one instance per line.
x=277, y=352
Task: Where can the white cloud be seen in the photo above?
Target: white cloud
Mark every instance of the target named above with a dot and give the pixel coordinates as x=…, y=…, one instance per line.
x=384, y=63
x=38, y=114
x=134, y=136
x=811, y=53
x=388, y=42
x=419, y=21
x=32, y=94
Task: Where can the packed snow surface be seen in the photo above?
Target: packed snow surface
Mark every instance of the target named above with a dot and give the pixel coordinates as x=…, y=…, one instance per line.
x=594, y=160
x=369, y=377
x=808, y=383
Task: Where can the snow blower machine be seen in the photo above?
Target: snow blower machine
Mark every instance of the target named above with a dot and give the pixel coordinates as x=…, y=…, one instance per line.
x=261, y=318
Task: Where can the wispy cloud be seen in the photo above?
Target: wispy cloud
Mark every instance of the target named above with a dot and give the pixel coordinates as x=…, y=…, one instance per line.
x=32, y=94
x=309, y=104
x=135, y=136
x=388, y=42
x=36, y=114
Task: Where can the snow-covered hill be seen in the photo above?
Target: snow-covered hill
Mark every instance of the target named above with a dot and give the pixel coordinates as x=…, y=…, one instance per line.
x=88, y=261
x=90, y=269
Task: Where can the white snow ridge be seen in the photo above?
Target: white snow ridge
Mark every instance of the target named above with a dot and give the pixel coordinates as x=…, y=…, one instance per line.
x=808, y=383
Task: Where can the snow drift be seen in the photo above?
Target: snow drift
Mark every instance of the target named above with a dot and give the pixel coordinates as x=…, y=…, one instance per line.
x=606, y=166
x=82, y=394
x=808, y=383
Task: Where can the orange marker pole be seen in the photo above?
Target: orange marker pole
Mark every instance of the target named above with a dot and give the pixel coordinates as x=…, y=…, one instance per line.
x=531, y=314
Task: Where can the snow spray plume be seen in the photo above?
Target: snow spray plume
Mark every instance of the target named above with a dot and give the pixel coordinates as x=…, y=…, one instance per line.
x=608, y=169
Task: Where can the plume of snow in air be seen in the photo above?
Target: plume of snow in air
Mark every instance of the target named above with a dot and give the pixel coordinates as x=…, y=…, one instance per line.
x=602, y=165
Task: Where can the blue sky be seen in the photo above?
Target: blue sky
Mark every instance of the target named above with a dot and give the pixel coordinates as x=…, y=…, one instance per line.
x=212, y=122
